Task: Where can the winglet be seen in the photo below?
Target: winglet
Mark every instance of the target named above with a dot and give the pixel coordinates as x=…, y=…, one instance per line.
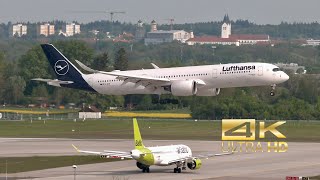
x=86, y=67
x=155, y=66
x=137, y=136
x=78, y=150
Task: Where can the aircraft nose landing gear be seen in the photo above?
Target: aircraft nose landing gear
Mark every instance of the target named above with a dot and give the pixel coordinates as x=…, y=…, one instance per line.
x=272, y=93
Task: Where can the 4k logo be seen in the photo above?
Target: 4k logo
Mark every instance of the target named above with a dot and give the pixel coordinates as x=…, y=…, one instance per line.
x=245, y=129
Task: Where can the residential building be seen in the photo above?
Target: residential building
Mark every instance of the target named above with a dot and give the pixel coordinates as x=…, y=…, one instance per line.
x=18, y=30
x=164, y=36
x=45, y=30
x=71, y=29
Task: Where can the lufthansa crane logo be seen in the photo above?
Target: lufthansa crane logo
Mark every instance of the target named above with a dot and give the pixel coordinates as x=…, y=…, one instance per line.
x=61, y=67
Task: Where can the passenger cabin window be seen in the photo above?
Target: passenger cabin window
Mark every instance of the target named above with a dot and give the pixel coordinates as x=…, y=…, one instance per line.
x=275, y=69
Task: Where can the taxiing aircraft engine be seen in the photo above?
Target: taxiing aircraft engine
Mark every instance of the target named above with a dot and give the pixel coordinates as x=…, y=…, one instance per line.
x=140, y=165
x=194, y=164
x=208, y=92
x=184, y=88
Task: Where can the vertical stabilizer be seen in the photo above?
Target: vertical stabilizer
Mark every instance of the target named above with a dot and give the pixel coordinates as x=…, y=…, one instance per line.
x=137, y=136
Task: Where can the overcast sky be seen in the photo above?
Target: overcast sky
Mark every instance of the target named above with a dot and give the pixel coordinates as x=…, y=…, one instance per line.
x=257, y=11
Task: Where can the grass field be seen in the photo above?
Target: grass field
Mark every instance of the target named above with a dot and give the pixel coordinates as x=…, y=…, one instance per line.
x=151, y=129
x=23, y=164
x=315, y=178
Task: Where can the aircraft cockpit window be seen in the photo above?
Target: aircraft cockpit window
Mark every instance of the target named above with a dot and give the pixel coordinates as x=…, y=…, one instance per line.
x=275, y=69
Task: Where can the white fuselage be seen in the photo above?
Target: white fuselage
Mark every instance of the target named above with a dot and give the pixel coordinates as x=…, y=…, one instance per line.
x=164, y=154
x=208, y=76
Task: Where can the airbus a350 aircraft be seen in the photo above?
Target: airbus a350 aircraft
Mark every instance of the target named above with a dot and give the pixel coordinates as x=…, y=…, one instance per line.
x=179, y=81
x=179, y=155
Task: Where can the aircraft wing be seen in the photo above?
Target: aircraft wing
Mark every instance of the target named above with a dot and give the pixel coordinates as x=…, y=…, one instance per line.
x=204, y=156
x=106, y=153
x=143, y=80
x=127, y=77
x=52, y=82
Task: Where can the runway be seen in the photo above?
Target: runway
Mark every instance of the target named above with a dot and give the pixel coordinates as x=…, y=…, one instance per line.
x=302, y=159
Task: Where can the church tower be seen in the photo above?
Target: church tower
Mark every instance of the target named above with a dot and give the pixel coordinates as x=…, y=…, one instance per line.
x=226, y=27
x=153, y=26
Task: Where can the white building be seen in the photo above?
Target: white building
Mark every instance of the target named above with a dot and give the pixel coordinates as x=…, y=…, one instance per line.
x=71, y=29
x=162, y=36
x=18, y=30
x=312, y=42
x=227, y=38
x=45, y=29
x=89, y=113
x=226, y=27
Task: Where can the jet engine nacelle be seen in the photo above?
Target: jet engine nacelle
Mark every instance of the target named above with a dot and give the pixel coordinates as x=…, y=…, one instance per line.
x=184, y=88
x=208, y=92
x=194, y=164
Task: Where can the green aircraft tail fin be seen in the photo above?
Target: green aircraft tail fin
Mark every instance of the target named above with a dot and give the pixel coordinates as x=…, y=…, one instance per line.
x=137, y=136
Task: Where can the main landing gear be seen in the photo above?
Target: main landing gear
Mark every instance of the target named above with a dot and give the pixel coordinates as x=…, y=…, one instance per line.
x=146, y=169
x=178, y=169
x=272, y=93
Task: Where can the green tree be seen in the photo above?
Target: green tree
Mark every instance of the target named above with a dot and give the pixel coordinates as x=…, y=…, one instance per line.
x=101, y=62
x=33, y=64
x=121, y=60
x=14, y=88
x=76, y=50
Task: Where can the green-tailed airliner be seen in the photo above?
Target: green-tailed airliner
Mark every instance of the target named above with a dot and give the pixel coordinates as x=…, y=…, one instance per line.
x=178, y=155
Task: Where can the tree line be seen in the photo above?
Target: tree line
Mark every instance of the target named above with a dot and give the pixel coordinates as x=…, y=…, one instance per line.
x=283, y=30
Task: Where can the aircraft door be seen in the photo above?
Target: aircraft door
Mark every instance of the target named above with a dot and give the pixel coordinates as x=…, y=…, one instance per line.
x=260, y=70
x=214, y=73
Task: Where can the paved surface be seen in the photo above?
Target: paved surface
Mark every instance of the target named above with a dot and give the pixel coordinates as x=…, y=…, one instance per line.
x=302, y=159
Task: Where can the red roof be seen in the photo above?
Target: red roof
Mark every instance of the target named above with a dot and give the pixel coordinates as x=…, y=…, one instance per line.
x=212, y=39
x=250, y=36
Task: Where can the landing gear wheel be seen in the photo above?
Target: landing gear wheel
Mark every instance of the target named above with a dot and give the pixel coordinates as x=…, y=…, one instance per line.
x=272, y=93
x=273, y=89
x=177, y=170
x=146, y=169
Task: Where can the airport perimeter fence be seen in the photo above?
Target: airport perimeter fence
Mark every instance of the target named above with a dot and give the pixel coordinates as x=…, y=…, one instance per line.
x=8, y=116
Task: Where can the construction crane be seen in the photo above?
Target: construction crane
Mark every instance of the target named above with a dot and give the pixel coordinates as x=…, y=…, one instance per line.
x=171, y=20
x=112, y=13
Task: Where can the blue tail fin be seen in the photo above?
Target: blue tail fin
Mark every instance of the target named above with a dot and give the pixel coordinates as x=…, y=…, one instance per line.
x=64, y=69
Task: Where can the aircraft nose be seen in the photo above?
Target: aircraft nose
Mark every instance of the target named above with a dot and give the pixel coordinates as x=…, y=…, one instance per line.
x=285, y=77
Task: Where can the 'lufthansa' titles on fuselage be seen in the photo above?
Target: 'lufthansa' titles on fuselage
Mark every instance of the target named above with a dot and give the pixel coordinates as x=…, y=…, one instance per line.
x=238, y=68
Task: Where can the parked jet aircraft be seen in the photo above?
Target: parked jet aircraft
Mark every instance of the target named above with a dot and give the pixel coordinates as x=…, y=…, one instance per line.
x=179, y=81
x=179, y=155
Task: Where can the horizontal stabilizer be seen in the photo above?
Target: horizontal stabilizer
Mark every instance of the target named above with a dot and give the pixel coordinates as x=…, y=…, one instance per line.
x=52, y=82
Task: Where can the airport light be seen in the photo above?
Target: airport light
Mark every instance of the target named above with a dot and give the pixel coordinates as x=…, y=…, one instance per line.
x=75, y=171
